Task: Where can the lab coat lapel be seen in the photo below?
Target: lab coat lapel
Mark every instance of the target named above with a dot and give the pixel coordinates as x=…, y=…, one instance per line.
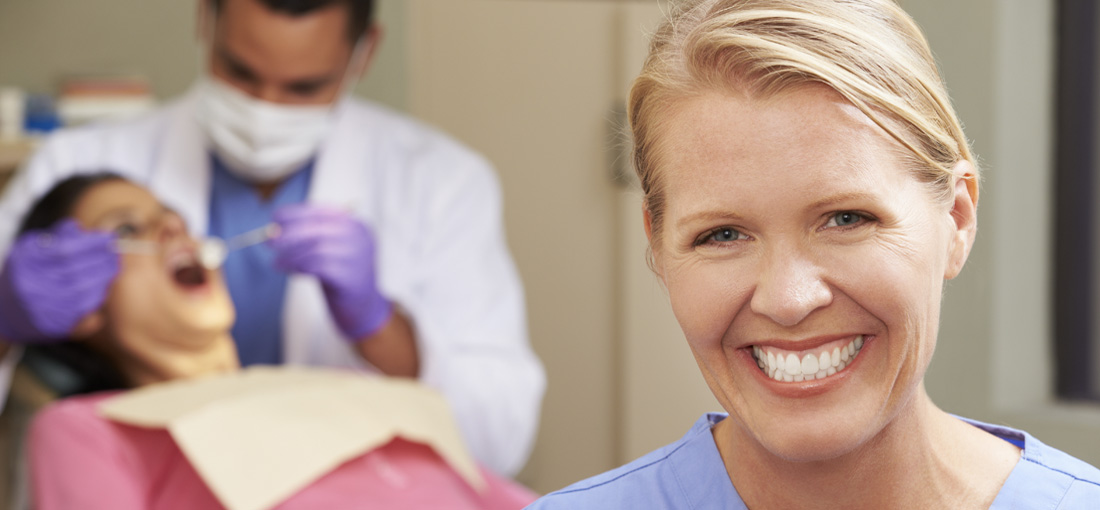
x=339, y=175
x=310, y=336
x=181, y=170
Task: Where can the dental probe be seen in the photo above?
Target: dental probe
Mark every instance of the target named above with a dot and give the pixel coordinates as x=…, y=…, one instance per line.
x=213, y=250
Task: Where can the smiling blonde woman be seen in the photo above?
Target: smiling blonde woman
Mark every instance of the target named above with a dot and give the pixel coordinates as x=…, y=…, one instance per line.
x=808, y=189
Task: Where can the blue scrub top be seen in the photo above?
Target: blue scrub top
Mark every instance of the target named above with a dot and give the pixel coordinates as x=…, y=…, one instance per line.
x=256, y=287
x=689, y=474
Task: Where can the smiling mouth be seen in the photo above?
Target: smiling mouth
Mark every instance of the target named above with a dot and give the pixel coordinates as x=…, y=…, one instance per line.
x=789, y=366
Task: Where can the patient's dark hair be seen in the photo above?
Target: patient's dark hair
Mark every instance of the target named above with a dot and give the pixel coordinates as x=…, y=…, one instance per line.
x=58, y=203
x=68, y=368
x=361, y=11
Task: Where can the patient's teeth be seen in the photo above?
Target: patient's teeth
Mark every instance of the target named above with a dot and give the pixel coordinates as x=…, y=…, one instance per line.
x=830, y=371
x=821, y=374
x=771, y=361
x=825, y=361
x=778, y=375
x=859, y=342
x=793, y=366
x=787, y=377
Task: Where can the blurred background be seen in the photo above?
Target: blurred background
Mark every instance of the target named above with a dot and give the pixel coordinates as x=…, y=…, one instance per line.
x=538, y=86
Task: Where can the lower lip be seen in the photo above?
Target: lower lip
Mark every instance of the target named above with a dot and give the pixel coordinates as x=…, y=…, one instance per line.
x=812, y=388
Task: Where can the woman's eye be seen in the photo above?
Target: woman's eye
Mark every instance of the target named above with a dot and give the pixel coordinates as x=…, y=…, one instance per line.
x=721, y=236
x=845, y=218
x=127, y=230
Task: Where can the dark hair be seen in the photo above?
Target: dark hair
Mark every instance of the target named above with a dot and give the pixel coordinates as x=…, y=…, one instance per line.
x=58, y=203
x=361, y=12
x=68, y=368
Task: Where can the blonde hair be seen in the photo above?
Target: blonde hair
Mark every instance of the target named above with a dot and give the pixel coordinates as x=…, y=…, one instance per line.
x=869, y=51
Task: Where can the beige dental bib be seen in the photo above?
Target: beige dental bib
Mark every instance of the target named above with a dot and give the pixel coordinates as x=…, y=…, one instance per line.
x=260, y=435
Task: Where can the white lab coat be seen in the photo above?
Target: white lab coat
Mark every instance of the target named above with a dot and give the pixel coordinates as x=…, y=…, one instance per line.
x=435, y=208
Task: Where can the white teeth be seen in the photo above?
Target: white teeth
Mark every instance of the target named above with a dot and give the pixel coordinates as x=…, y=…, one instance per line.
x=809, y=364
x=812, y=365
x=793, y=365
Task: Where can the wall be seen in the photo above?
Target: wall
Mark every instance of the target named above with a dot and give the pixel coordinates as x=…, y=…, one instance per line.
x=993, y=361
x=43, y=40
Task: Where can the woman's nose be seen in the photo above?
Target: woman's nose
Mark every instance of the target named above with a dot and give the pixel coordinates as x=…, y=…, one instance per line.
x=790, y=288
x=171, y=227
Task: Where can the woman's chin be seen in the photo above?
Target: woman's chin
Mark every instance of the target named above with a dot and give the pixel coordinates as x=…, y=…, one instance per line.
x=815, y=442
x=812, y=447
x=211, y=316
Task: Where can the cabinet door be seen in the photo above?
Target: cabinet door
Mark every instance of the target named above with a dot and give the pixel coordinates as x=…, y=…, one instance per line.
x=535, y=86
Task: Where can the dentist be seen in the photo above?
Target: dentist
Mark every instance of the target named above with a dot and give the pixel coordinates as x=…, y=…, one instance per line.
x=391, y=256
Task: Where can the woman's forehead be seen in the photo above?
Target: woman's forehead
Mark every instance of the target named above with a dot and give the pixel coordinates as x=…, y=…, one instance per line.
x=113, y=196
x=805, y=128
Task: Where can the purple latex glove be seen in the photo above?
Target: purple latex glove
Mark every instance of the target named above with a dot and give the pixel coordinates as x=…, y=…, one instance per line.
x=339, y=250
x=52, y=280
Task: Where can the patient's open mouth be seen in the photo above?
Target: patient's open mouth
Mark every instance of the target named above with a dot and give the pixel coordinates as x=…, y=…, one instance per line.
x=190, y=276
x=186, y=270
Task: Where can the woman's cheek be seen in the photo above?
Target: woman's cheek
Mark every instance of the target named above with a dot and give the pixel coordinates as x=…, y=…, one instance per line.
x=702, y=304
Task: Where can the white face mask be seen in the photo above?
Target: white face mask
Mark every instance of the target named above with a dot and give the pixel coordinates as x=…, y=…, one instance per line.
x=259, y=141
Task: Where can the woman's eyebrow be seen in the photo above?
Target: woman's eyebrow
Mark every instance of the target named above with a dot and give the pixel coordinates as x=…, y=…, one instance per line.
x=118, y=213
x=841, y=198
x=709, y=216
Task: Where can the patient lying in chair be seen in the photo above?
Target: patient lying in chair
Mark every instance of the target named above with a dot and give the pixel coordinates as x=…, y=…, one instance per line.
x=172, y=421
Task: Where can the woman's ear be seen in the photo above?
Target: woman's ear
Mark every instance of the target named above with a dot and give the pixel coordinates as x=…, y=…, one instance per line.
x=88, y=326
x=964, y=216
x=651, y=254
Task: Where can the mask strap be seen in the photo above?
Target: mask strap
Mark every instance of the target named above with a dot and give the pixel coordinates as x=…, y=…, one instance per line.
x=350, y=78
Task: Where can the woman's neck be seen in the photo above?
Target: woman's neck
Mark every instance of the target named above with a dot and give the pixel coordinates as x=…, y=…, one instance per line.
x=924, y=458
x=164, y=360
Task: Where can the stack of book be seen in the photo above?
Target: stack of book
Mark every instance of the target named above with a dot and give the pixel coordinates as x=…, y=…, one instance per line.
x=86, y=98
